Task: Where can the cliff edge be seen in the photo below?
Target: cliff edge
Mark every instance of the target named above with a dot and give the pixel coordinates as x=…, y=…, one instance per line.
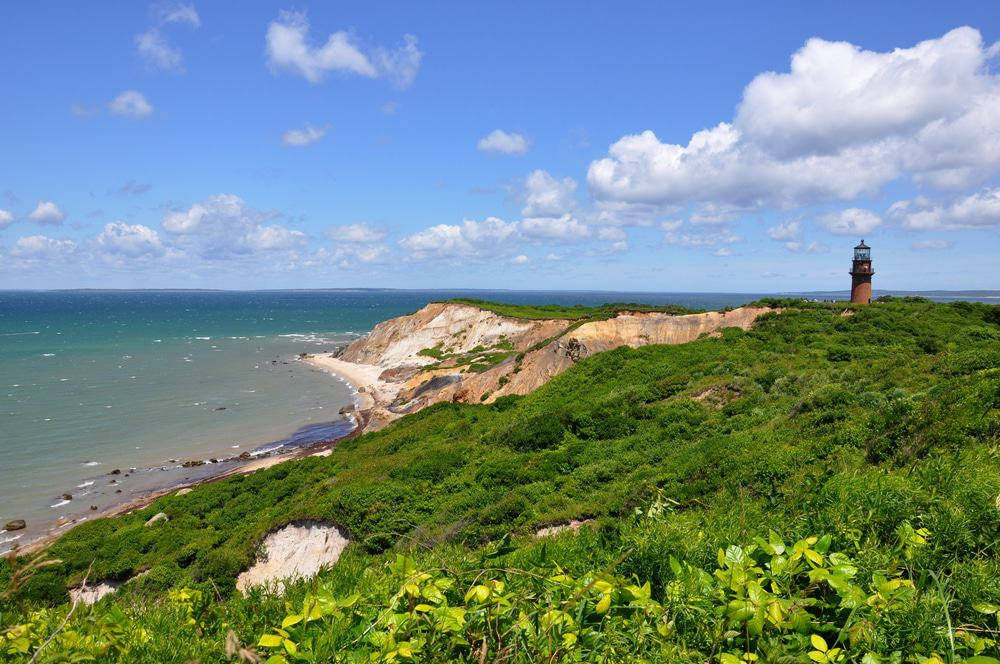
x=451, y=351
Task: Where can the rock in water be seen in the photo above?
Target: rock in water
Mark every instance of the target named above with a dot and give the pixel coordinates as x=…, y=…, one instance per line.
x=16, y=524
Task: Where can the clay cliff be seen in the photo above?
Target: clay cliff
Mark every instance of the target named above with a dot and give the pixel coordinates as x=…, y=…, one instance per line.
x=459, y=352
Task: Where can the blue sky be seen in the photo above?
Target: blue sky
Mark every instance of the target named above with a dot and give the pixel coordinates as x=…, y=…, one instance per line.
x=717, y=147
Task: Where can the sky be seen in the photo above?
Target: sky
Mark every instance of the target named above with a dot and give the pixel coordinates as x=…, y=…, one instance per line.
x=740, y=147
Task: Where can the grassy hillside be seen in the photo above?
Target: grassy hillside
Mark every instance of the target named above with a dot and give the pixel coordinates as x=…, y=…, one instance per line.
x=556, y=311
x=823, y=486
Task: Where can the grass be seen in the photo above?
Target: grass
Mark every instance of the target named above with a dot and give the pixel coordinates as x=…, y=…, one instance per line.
x=561, y=312
x=876, y=433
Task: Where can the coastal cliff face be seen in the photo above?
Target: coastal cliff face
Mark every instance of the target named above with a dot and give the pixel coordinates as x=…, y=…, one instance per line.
x=449, y=328
x=461, y=353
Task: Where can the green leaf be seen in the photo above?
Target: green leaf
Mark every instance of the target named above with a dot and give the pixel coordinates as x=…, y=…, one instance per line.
x=293, y=619
x=818, y=642
x=603, y=605
x=982, y=659
x=269, y=641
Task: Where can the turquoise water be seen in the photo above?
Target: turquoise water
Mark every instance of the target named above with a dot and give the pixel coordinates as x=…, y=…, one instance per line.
x=92, y=381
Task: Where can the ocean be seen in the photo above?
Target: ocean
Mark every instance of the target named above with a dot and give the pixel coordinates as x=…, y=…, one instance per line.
x=141, y=381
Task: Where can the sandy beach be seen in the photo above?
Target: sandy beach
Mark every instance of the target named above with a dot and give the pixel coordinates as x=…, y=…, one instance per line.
x=372, y=391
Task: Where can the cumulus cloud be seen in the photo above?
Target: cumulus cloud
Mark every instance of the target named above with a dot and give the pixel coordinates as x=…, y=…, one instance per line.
x=500, y=141
x=225, y=225
x=47, y=213
x=784, y=232
x=520, y=259
x=288, y=49
x=152, y=44
x=841, y=123
x=613, y=237
x=980, y=210
x=564, y=228
x=132, y=240
x=131, y=104
x=302, y=137
x=470, y=239
x=545, y=196
x=41, y=247
x=852, y=221
x=6, y=218
x=356, y=233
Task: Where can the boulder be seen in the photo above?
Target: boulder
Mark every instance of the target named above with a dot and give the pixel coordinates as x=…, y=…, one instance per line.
x=295, y=551
x=158, y=517
x=183, y=492
x=16, y=524
x=67, y=496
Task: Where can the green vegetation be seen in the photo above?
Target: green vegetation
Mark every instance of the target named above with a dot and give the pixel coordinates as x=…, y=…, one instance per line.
x=576, y=312
x=821, y=488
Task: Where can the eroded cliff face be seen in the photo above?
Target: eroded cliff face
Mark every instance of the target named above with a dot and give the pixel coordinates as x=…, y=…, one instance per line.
x=449, y=328
x=475, y=356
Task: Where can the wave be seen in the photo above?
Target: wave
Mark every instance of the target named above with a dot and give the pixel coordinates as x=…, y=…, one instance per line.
x=60, y=504
x=85, y=484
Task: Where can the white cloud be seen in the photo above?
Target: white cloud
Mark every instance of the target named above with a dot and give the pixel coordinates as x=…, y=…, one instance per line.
x=980, y=210
x=356, y=233
x=273, y=237
x=154, y=48
x=500, y=141
x=131, y=104
x=840, y=124
x=564, y=228
x=818, y=248
x=671, y=225
x=47, y=213
x=701, y=240
x=931, y=245
x=179, y=13
x=40, y=247
x=131, y=240
x=6, y=218
x=302, y=137
x=793, y=246
x=784, y=232
x=400, y=66
x=545, y=196
x=471, y=239
x=288, y=50
x=722, y=252
x=224, y=225
x=852, y=221
x=520, y=259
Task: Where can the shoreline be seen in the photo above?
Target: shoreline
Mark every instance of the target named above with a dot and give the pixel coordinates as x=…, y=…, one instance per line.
x=358, y=413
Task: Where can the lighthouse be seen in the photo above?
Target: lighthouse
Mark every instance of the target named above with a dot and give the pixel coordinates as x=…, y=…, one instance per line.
x=861, y=274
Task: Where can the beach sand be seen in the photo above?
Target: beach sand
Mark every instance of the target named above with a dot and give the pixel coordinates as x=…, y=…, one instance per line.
x=376, y=392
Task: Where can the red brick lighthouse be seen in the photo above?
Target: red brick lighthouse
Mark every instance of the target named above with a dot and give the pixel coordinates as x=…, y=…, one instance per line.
x=861, y=274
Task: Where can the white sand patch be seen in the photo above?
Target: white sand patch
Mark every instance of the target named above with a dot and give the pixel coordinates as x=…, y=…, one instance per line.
x=359, y=375
x=298, y=550
x=90, y=594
